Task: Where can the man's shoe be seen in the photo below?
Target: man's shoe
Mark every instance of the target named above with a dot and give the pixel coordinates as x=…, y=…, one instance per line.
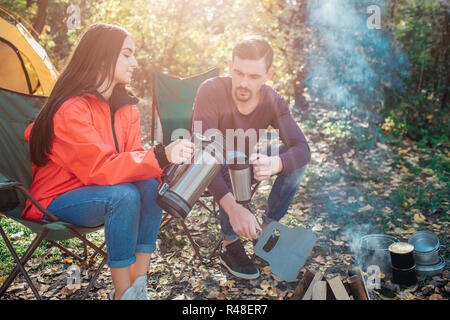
x=234, y=258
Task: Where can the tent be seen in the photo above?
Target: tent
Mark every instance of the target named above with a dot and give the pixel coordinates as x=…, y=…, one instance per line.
x=24, y=65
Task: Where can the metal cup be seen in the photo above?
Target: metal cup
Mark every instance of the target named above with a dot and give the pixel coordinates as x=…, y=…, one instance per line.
x=240, y=175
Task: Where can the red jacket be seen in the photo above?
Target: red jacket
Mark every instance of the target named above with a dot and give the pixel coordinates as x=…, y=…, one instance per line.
x=94, y=144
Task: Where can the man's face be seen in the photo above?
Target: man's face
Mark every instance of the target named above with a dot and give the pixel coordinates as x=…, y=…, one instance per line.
x=247, y=77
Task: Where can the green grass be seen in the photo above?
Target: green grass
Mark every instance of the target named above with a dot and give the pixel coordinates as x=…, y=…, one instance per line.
x=21, y=237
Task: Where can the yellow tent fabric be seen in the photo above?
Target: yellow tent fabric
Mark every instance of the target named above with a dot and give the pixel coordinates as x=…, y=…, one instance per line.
x=24, y=65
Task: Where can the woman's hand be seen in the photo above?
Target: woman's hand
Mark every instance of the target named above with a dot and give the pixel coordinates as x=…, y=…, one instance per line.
x=179, y=151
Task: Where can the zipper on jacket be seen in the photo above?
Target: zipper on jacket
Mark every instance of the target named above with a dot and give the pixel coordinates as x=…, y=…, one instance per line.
x=113, y=129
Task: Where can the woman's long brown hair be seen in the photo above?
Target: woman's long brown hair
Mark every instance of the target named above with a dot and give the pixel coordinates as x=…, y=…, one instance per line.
x=92, y=62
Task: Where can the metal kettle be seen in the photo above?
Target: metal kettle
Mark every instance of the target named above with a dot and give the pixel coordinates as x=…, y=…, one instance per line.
x=184, y=183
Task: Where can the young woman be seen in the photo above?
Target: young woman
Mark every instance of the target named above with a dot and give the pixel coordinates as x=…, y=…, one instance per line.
x=89, y=167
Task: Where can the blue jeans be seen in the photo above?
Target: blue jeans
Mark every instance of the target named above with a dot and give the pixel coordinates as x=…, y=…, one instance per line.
x=280, y=198
x=128, y=210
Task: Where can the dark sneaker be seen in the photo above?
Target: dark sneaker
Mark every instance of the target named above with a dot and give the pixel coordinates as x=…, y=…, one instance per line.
x=234, y=258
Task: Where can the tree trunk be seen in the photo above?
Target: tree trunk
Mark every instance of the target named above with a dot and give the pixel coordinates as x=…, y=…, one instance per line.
x=39, y=22
x=445, y=64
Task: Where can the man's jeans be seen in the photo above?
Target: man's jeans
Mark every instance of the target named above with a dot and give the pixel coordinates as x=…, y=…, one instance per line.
x=280, y=198
x=129, y=212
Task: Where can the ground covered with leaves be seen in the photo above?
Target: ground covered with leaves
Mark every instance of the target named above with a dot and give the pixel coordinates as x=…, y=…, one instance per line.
x=354, y=185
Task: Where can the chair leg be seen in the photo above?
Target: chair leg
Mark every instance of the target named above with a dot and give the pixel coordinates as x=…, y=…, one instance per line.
x=21, y=262
x=87, y=242
x=197, y=247
x=96, y=253
x=255, y=188
x=65, y=250
x=94, y=278
x=206, y=207
x=85, y=253
x=214, y=207
x=165, y=220
x=97, y=250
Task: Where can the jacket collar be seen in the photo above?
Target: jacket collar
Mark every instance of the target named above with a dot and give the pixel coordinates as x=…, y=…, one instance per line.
x=120, y=97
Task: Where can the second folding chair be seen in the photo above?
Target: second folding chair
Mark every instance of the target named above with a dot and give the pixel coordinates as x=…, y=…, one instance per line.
x=173, y=101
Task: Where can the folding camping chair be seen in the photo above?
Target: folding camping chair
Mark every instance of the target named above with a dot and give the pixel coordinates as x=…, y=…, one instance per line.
x=16, y=112
x=173, y=101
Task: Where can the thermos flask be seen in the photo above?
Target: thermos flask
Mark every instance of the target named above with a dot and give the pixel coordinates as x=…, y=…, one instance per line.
x=183, y=184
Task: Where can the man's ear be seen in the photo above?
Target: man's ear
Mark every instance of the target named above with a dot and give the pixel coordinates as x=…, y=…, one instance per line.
x=230, y=66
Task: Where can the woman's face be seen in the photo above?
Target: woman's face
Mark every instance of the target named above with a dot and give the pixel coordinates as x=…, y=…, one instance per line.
x=126, y=62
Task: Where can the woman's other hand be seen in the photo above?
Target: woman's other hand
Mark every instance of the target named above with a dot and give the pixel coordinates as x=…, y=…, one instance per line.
x=179, y=151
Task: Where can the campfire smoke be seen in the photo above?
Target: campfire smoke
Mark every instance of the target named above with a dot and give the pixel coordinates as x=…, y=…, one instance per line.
x=349, y=63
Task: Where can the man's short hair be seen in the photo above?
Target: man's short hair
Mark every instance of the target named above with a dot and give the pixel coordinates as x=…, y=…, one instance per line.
x=254, y=48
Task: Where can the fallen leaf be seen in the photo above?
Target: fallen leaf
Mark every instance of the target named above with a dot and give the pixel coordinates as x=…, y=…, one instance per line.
x=17, y=235
x=319, y=259
x=351, y=199
x=337, y=243
x=365, y=208
x=265, y=270
x=387, y=210
x=247, y=291
x=259, y=292
x=264, y=285
x=66, y=291
x=419, y=218
x=227, y=283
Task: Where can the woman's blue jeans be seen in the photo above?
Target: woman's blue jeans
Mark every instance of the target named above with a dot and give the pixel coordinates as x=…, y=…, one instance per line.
x=129, y=212
x=280, y=198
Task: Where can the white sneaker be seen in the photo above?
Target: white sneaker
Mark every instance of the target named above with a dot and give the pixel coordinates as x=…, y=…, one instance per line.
x=140, y=286
x=138, y=291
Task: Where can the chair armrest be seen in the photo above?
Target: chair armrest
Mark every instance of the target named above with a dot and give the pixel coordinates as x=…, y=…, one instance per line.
x=8, y=184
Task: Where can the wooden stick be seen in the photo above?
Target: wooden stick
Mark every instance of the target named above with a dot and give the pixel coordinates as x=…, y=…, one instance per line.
x=308, y=294
x=319, y=291
x=303, y=285
x=357, y=287
x=338, y=289
x=364, y=281
x=357, y=271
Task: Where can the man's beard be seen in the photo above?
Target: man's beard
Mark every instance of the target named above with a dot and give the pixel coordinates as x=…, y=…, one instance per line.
x=241, y=99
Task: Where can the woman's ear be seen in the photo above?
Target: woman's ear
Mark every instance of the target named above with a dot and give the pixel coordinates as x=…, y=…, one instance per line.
x=270, y=73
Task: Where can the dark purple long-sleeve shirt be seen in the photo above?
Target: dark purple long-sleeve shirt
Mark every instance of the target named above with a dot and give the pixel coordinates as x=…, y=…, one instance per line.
x=215, y=107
